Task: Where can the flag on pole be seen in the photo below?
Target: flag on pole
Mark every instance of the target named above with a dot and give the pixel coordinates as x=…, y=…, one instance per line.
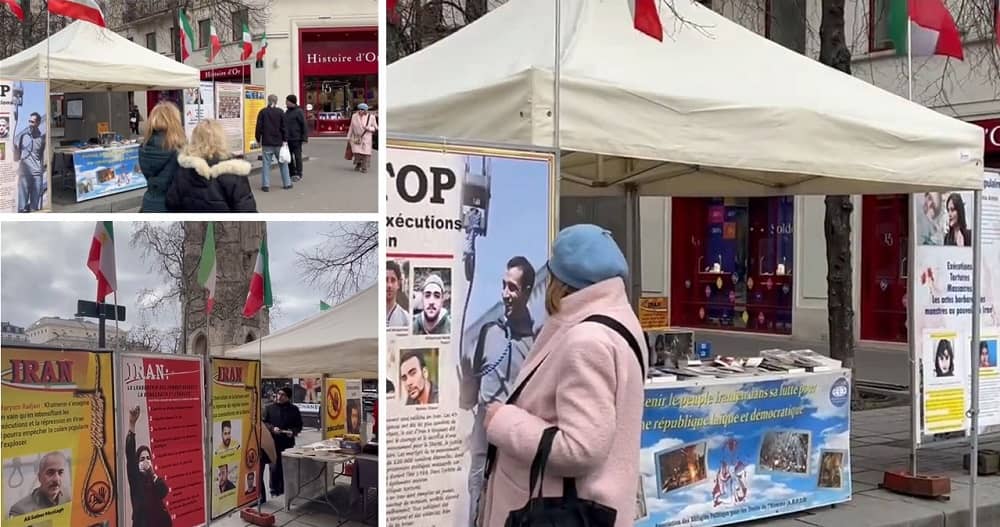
x=260, y=284
x=215, y=45
x=323, y=306
x=996, y=21
x=186, y=35
x=932, y=30
x=390, y=11
x=207, y=267
x=247, y=43
x=16, y=8
x=101, y=260
x=646, y=18
x=262, y=52
x=79, y=10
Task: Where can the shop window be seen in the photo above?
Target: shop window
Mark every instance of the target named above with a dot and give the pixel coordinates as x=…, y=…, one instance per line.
x=240, y=17
x=151, y=41
x=879, y=38
x=785, y=23
x=204, y=33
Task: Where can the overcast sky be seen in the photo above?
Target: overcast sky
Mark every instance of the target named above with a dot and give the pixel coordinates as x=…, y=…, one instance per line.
x=43, y=272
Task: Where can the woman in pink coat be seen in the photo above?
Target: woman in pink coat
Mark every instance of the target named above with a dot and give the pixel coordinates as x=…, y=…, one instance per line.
x=588, y=384
x=363, y=127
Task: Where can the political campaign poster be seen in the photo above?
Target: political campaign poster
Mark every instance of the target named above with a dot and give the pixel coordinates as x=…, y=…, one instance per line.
x=989, y=372
x=105, y=171
x=468, y=237
x=25, y=149
x=229, y=112
x=334, y=408
x=236, y=416
x=58, y=438
x=163, y=404
x=199, y=105
x=731, y=451
x=353, y=411
x=254, y=100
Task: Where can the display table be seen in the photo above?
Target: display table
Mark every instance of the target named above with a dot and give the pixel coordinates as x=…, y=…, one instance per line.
x=311, y=474
x=717, y=451
x=103, y=171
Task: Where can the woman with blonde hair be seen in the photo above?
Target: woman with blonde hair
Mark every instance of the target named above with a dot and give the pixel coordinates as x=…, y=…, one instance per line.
x=209, y=180
x=158, y=154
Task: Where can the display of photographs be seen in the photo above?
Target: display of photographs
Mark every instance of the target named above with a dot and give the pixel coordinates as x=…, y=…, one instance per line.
x=831, y=469
x=52, y=485
x=680, y=467
x=945, y=218
x=785, y=451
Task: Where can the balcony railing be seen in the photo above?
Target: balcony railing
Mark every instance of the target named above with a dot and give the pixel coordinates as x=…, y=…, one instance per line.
x=138, y=10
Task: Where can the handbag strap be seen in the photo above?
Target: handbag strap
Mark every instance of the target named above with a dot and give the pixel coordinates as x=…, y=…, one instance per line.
x=541, y=459
x=625, y=334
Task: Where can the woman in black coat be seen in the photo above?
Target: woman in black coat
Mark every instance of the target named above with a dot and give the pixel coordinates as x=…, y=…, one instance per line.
x=158, y=155
x=208, y=180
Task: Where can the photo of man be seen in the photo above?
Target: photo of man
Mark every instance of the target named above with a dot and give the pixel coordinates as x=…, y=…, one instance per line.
x=146, y=489
x=416, y=377
x=353, y=417
x=53, y=484
x=251, y=484
x=4, y=126
x=433, y=318
x=226, y=443
x=224, y=484
x=29, y=152
x=395, y=315
x=831, y=464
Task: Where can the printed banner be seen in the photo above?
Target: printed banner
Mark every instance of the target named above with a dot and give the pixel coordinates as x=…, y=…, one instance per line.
x=164, y=413
x=334, y=408
x=468, y=238
x=353, y=413
x=199, y=104
x=229, y=112
x=58, y=438
x=236, y=418
x=728, y=452
x=654, y=312
x=25, y=171
x=106, y=171
x=254, y=100
x=989, y=372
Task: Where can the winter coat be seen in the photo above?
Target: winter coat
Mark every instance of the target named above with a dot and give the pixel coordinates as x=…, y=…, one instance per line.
x=211, y=186
x=286, y=417
x=295, y=125
x=590, y=386
x=147, y=492
x=365, y=128
x=270, y=130
x=159, y=166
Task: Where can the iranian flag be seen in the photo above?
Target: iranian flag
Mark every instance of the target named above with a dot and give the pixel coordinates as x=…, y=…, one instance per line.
x=932, y=30
x=186, y=35
x=646, y=18
x=260, y=285
x=262, y=51
x=215, y=45
x=247, y=43
x=101, y=260
x=996, y=21
x=78, y=9
x=16, y=7
x=207, y=267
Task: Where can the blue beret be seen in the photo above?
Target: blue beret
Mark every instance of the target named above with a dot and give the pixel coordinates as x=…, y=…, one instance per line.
x=584, y=255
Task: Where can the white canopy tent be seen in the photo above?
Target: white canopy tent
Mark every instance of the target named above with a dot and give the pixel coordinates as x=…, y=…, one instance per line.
x=340, y=342
x=713, y=110
x=84, y=57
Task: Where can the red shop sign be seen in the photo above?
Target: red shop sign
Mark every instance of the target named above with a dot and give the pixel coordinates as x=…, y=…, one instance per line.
x=229, y=73
x=339, y=58
x=991, y=130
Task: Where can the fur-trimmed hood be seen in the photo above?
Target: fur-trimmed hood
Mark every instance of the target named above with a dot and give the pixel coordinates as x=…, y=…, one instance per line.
x=236, y=167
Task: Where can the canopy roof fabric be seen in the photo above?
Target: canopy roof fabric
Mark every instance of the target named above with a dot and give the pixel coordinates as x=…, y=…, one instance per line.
x=340, y=342
x=713, y=110
x=84, y=57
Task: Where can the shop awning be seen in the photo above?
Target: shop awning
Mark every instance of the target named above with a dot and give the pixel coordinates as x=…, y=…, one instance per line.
x=84, y=57
x=713, y=110
x=340, y=342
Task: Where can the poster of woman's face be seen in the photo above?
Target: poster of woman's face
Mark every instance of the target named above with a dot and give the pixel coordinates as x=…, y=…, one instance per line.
x=988, y=353
x=945, y=218
x=944, y=358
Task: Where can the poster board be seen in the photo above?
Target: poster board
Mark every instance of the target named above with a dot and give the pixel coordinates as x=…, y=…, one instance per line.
x=165, y=397
x=235, y=426
x=229, y=112
x=654, y=312
x=468, y=240
x=735, y=450
x=59, y=437
x=989, y=346
x=354, y=412
x=199, y=104
x=25, y=146
x=334, y=408
x=105, y=171
x=254, y=100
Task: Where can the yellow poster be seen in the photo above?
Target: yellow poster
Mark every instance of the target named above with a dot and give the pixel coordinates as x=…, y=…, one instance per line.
x=235, y=443
x=334, y=408
x=654, y=312
x=58, y=438
x=354, y=410
x=254, y=101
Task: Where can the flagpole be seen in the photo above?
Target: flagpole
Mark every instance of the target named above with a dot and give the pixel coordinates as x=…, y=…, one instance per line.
x=260, y=358
x=909, y=59
x=555, y=97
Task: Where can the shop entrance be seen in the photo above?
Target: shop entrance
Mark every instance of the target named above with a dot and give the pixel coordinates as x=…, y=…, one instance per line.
x=884, y=267
x=338, y=71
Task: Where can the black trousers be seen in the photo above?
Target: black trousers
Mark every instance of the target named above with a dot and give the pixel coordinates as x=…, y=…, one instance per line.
x=277, y=476
x=295, y=148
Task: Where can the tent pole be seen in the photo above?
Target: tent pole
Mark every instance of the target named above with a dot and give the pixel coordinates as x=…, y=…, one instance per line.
x=557, y=71
x=977, y=282
x=260, y=358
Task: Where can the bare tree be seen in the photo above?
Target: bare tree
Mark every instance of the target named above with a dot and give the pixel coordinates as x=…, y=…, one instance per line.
x=346, y=263
x=162, y=247
x=149, y=339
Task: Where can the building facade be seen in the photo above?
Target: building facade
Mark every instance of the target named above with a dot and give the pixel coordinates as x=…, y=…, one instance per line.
x=11, y=335
x=74, y=333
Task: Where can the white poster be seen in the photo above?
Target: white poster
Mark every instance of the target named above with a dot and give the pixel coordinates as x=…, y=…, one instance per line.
x=25, y=149
x=989, y=373
x=467, y=242
x=229, y=112
x=199, y=104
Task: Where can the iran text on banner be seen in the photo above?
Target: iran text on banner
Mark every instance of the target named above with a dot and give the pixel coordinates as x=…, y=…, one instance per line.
x=247, y=43
x=646, y=18
x=101, y=260
x=932, y=30
x=260, y=284
x=186, y=35
x=216, y=45
x=78, y=9
x=16, y=8
x=207, y=267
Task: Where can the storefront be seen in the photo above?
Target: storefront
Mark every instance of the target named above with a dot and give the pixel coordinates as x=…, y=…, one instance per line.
x=338, y=69
x=884, y=265
x=239, y=74
x=731, y=263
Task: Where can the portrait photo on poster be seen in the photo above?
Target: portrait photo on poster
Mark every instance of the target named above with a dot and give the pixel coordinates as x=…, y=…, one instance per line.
x=432, y=301
x=418, y=375
x=397, y=296
x=944, y=358
x=224, y=477
x=44, y=481
x=226, y=436
x=831, y=469
x=988, y=353
x=945, y=218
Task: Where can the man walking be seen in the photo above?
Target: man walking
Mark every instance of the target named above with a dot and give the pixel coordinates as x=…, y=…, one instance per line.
x=295, y=127
x=284, y=422
x=271, y=135
x=29, y=150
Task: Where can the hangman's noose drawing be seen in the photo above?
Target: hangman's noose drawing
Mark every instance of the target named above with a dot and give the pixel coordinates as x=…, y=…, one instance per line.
x=251, y=454
x=15, y=466
x=98, y=495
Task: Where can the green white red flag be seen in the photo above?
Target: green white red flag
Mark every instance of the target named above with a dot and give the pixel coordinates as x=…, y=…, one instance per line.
x=101, y=260
x=186, y=35
x=260, y=284
x=247, y=43
x=932, y=30
x=79, y=10
x=262, y=51
x=215, y=45
x=207, y=268
x=16, y=7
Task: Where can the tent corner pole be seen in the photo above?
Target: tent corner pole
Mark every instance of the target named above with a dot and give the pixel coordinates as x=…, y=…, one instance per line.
x=977, y=282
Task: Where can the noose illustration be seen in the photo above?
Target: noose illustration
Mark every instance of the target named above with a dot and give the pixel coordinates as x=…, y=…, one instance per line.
x=98, y=495
x=251, y=455
x=15, y=466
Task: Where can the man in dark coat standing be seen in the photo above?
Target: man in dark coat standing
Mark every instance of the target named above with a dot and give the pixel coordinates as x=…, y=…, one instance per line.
x=271, y=134
x=296, y=133
x=284, y=422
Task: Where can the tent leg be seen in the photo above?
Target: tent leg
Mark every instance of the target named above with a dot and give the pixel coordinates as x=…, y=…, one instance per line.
x=633, y=250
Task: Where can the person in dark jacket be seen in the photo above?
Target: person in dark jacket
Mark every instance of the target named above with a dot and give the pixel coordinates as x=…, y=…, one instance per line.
x=146, y=489
x=158, y=155
x=297, y=133
x=208, y=180
x=134, y=117
x=271, y=134
x=285, y=422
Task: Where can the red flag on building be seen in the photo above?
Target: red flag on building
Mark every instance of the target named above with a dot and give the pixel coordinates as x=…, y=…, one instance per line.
x=16, y=8
x=646, y=18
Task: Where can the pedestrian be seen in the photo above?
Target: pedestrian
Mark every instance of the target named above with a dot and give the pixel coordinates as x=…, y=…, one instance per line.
x=134, y=118
x=158, y=155
x=208, y=180
x=295, y=127
x=271, y=136
x=284, y=422
x=582, y=377
x=363, y=125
